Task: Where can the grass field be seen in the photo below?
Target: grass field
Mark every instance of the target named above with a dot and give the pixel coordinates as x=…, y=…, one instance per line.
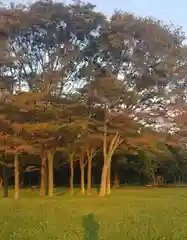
x=127, y=214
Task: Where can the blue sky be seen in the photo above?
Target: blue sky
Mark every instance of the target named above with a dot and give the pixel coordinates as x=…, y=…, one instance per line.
x=174, y=11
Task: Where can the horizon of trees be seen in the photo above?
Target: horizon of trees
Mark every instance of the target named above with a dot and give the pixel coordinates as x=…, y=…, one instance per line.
x=79, y=90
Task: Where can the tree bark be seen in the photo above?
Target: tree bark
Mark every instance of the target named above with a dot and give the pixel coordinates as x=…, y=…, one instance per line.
x=43, y=187
x=179, y=179
x=71, y=174
x=5, y=178
x=1, y=182
x=103, y=185
x=16, y=176
x=154, y=178
x=82, y=170
x=105, y=177
x=89, y=175
x=108, y=188
x=82, y=178
x=108, y=151
x=50, y=156
x=182, y=178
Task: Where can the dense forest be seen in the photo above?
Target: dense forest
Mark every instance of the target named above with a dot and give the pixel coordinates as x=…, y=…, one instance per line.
x=87, y=99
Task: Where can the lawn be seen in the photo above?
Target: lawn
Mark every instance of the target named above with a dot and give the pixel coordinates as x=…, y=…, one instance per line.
x=127, y=214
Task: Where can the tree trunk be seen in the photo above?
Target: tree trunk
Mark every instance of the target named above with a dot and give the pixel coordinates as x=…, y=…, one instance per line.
x=108, y=151
x=71, y=174
x=82, y=178
x=182, y=178
x=105, y=176
x=103, y=185
x=154, y=178
x=116, y=183
x=43, y=187
x=1, y=182
x=82, y=170
x=109, y=180
x=5, y=178
x=89, y=175
x=16, y=176
x=179, y=179
x=174, y=179
x=50, y=156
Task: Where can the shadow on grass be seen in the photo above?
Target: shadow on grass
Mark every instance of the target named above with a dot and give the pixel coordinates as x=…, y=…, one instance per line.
x=66, y=191
x=62, y=192
x=91, y=227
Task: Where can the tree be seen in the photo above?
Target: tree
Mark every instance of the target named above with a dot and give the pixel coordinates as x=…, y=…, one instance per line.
x=77, y=82
x=88, y=145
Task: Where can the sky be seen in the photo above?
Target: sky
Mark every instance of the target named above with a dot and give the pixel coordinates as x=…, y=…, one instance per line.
x=174, y=11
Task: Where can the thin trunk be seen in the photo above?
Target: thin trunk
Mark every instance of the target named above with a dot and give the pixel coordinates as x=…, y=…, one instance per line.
x=103, y=185
x=1, y=182
x=47, y=178
x=179, y=179
x=43, y=186
x=16, y=176
x=5, y=178
x=82, y=179
x=109, y=180
x=182, y=178
x=81, y=161
x=154, y=178
x=71, y=174
x=89, y=175
x=174, y=179
x=50, y=156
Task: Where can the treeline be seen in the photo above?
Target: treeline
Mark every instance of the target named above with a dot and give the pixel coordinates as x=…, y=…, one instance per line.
x=91, y=96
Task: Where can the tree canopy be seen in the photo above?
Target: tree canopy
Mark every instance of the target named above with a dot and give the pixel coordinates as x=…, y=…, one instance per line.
x=78, y=87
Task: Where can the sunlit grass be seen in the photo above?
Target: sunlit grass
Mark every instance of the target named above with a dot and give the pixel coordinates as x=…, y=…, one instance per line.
x=130, y=213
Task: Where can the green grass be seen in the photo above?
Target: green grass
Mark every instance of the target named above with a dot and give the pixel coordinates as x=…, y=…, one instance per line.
x=127, y=214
